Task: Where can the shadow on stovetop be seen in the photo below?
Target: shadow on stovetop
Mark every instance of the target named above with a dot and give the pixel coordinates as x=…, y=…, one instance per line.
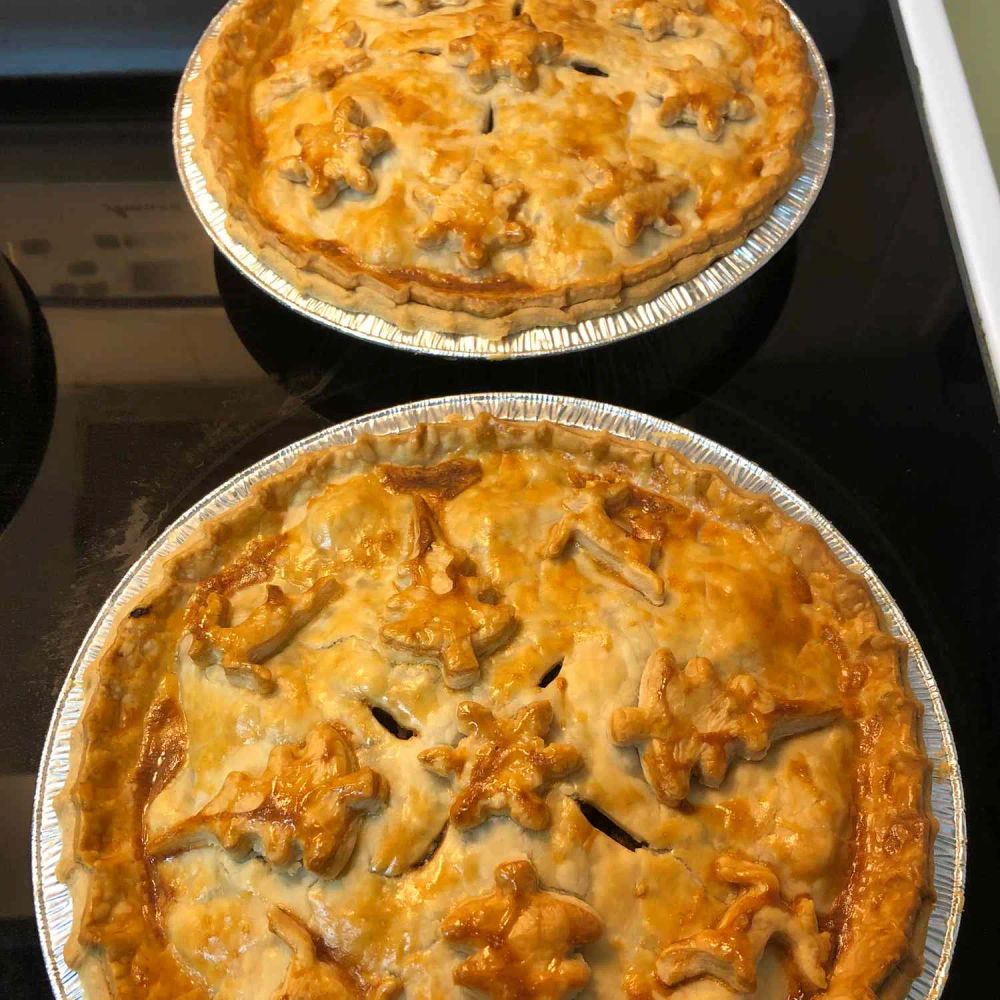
x=338, y=375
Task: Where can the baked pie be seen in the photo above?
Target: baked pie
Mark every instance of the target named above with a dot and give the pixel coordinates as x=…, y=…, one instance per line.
x=499, y=709
x=484, y=166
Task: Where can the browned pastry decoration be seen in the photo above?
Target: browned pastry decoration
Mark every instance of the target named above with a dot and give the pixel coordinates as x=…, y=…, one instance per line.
x=689, y=720
x=589, y=522
x=504, y=50
x=444, y=611
x=322, y=58
x=730, y=951
x=475, y=213
x=503, y=765
x=242, y=649
x=335, y=156
x=315, y=976
x=306, y=807
x=524, y=938
x=443, y=481
x=415, y=7
x=633, y=196
x=692, y=93
x=538, y=565
x=656, y=18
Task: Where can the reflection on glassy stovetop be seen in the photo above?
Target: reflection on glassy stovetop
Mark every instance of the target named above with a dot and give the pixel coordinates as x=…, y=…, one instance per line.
x=698, y=353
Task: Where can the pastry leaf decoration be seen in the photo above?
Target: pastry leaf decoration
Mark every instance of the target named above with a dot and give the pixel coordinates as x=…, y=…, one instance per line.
x=473, y=213
x=632, y=194
x=242, y=650
x=689, y=720
x=306, y=807
x=502, y=765
x=336, y=155
x=504, y=50
x=656, y=18
x=588, y=523
x=444, y=612
x=320, y=59
x=691, y=93
x=526, y=938
x=314, y=972
x=729, y=952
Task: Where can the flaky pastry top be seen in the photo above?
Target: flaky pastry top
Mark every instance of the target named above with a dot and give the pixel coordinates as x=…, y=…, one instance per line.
x=538, y=713
x=499, y=162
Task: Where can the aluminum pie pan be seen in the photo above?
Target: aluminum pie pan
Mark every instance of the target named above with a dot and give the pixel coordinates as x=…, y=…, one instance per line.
x=712, y=283
x=53, y=904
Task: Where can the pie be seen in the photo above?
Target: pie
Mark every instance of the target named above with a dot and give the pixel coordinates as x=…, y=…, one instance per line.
x=499, y=709
x=478, y=166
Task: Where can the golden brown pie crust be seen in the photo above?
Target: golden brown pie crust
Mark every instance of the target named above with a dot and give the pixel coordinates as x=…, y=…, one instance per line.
x=133, y=740
x=485, y=167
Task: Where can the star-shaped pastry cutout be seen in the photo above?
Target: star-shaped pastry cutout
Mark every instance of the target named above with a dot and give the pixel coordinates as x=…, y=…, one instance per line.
x=502, y=765
x=730, y=951
x=320, y=59
x=336, y=155
x=504, y=50
x=474, y=213
x=690, y=720
x=632, y=195
x=526, y=938
x=416, y=7
x=588, y=522
x=315, y=973
x=306, y=807
x=656, y=18
x=695, y=94
x=445, y=612
x=243, y=649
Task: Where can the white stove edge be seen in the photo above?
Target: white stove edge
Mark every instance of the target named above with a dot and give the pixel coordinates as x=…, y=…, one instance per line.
x=965, y=174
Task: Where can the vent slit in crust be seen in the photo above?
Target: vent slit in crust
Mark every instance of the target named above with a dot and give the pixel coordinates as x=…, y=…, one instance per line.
x=603, y=823
x=550, y=675
x=432, y=849
x=588, y=69
x=390, y=723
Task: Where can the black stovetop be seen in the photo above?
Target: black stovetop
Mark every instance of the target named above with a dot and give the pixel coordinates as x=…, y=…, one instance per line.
x=140, y=370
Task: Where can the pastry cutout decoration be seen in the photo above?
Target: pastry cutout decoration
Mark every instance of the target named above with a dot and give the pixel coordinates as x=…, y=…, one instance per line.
x=335, y=156
x=656, y=18
x=632, y=195
x=589, y=523
x=306, y=807
x=504, y=50
x=691, y=93
x=473, y=212
x=314, y=972
x=689, y=720
x=444, y=612
x=243, y=649
x=502, y=765
x=320, y=59
x=413, y=8
x=443, y=481
x=525, y=938
x=728, y=953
